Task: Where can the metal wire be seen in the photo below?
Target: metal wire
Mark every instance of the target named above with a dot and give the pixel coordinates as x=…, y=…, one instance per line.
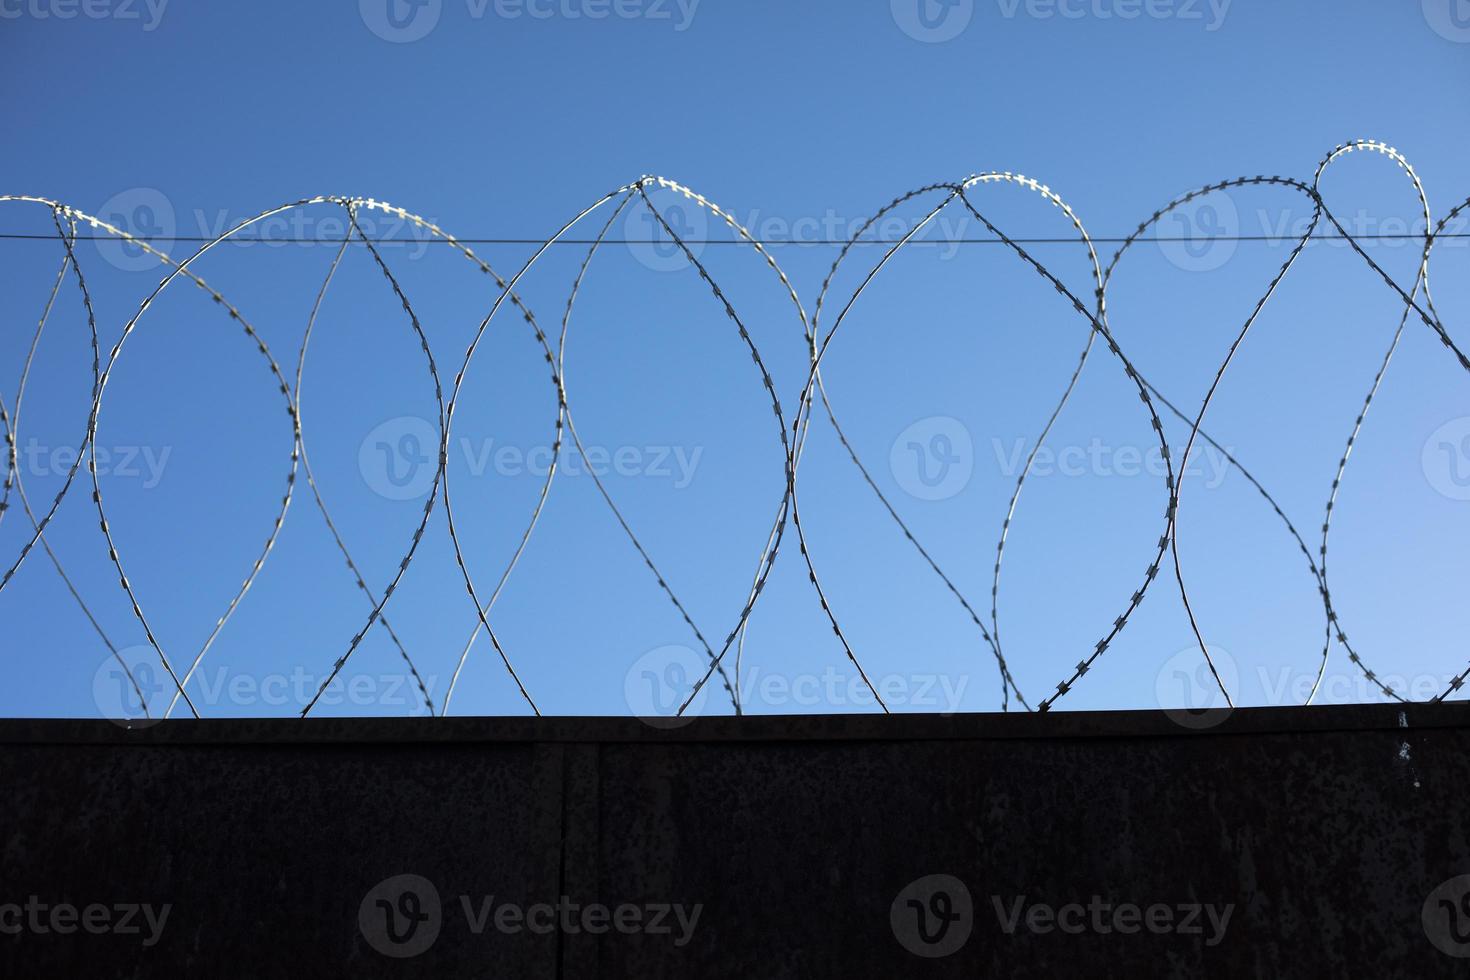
x=793, y=420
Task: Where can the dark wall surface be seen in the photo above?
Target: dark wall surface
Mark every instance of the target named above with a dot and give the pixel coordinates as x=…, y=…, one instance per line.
x=1275, y=842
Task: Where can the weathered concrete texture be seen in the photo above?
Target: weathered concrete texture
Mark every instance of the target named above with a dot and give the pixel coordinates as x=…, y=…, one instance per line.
x=1324, y=831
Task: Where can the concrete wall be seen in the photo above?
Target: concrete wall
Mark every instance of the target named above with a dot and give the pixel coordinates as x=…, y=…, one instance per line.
x=809, y=847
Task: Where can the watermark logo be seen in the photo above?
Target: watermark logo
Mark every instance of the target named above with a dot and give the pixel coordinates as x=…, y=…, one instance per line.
x=933, y=21
x=143, y=212
x=1200, y=236
x=400, y=917
x=148, y=12
x=316, y=227
x=1446, y=459
x=38, y=918
x=1210, y=13
x=1450, y=19
x=933, y=917
x=132, y=702
x=661, y=680
x=1446, y=917
x=674, y=920
x=832, y=689
x=144, y=697
x=934, y=458
x=399, y=459
x=1099, y=459
x=650, y=243
x=679, y=13
x=1187, y=690
x=1288, y=685
x=143, y=463
x=400, y=21
x=1104, y=917
x=405, y=21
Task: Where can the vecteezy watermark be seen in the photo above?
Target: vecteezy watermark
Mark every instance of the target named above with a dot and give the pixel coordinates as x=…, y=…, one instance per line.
x=1358, y=685
x=123, y=699
x=1446, y=459
x=1187, y=690
x=931, y=693
x=933, y=916
x=650, y=242
x=1446, y=917
x=1381, y=231
x=398, y=460
x=33, y=917
x=135, y=696
x=148, y=13
x=328, y=225
x=402, y=917
x=1202, y=235
x=936, y=21
x=1210, y=14
x=660, y=681
x=145, y=463
x=568, y=917
x=932, y=21
x=653, y=247
x=1189, y=694
x=933, y=459
x=1450, y=19
x=146, y=213
x=142, y=212
x=1103, y=917
x=1099, y=459
x=405, y=21
x=400, y=21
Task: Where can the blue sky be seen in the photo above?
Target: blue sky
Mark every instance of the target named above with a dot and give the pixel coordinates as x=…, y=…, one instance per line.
x=505, y=119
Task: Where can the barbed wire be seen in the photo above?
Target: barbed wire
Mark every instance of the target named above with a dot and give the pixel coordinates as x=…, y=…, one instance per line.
x=1191, y=239
x=793, y=420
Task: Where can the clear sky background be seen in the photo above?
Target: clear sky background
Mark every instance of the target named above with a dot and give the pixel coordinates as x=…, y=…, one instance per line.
x=503, y=120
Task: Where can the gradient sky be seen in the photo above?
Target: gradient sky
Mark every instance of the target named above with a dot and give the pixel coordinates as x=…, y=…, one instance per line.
x=505, y=119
